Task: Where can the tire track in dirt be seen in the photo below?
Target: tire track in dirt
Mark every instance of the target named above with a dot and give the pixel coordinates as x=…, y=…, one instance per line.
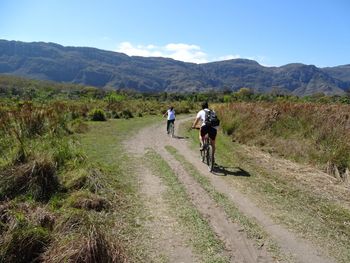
x=167, y=240
x=238, y=246
x=301, y=250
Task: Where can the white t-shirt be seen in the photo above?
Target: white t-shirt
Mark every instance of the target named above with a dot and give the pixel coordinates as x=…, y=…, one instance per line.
x=171, y=114
x=201, y=115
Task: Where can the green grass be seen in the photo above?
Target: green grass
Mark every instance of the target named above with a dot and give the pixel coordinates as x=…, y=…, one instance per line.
x=203, y=239
x=312, y=216
x=103, y=144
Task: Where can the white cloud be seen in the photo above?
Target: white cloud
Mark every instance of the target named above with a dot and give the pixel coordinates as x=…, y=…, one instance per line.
x=178, y=51
x=139, y=50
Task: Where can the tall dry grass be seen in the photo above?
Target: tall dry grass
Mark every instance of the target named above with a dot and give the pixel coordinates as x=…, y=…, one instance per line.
x=37, y=149
x=306, y=132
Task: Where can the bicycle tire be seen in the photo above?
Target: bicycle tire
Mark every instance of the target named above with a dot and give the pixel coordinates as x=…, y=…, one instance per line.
x=172, y=130
x=210, y=158
x=202, y=152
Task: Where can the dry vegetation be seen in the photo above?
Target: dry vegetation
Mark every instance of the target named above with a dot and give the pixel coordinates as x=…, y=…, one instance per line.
x=53, y=202
x=52, y=199
x=312, y=133
x=49, y=196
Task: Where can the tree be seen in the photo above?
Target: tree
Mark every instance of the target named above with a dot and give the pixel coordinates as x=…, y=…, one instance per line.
x=244, y=93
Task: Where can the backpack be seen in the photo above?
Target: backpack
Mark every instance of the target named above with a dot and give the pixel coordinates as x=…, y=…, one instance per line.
x=211, y=119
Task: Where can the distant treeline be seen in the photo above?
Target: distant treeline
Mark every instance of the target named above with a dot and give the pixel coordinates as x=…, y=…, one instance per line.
x=12, y=87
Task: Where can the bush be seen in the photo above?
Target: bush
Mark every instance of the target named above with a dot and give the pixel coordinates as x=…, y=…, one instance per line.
x=24, y=244
x=115, y=115
x=86, y=243
x=79, y=126
x=36, y=178
x=91, y=179
x=126, y=114
x=88, y=201
x=64, y=150
x=98, y=115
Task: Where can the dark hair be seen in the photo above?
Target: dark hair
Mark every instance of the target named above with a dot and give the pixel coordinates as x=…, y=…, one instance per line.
x=205, y=105
x=171, y=107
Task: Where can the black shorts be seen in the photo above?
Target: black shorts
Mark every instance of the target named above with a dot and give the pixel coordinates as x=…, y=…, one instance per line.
x=209, y=130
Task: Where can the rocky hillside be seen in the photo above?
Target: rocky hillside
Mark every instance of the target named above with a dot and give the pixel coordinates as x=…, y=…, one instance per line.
x=100, y=68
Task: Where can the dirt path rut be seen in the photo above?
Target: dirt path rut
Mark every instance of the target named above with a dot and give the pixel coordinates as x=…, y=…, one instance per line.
x=238, y=246
x=162, y=226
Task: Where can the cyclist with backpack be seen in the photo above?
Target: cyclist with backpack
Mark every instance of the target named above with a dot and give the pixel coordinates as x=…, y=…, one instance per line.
x=209, y=126
x=170, y=118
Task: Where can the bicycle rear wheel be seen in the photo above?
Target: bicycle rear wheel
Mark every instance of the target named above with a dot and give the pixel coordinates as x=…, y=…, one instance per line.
x=172, y=130
x=210, y=158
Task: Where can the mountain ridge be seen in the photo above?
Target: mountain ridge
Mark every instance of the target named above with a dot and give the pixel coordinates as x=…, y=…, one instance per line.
x=108, y=69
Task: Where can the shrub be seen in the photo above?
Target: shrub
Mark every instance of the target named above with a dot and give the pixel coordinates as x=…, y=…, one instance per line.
x=24, y=243
x=115, y=115
x=88, y=201
x=63, y=150
x=36, y=178
x=97, y=115
x=86, y=243
x=79, y=126
x=126, y=114
x=91, y=179
x=5, y=217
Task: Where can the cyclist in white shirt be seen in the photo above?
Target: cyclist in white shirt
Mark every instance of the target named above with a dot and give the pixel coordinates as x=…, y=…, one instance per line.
x=171, y=117
x=204, y=129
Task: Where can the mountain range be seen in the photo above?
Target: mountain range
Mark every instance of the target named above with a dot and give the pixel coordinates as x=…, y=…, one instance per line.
x=108, y=69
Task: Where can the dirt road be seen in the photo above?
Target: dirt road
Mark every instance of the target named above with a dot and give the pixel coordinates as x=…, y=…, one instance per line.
x=173, y=243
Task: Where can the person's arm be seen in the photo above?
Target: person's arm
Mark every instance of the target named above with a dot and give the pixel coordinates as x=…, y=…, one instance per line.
x=195, y=122
x=165, y=113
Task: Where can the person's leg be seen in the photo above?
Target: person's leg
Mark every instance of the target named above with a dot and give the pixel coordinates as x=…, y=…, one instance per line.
x=201, y=137
x=200, y=140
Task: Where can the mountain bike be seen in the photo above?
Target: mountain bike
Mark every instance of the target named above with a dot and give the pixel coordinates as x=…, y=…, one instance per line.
x=171, y=129
x=207, y=153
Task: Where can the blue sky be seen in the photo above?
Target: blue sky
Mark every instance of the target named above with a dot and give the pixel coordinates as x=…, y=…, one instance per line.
x=272, y=32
